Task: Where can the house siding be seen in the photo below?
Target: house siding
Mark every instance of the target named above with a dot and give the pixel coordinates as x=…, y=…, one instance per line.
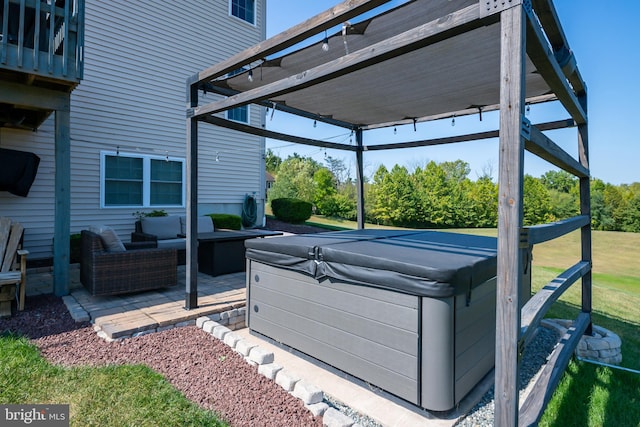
x=138, y=56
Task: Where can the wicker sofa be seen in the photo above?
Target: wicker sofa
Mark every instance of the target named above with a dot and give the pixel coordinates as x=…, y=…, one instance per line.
x=117, y=271
x=169, y=232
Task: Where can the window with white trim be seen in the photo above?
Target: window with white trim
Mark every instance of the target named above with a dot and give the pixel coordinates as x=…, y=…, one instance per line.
x=141, y=180
x=244, y=9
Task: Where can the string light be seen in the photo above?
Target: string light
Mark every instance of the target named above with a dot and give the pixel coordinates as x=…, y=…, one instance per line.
x=166, y=158
x=250, y=76
x=528, y=109
x=315, y=123
x=217, y=156
x=325, y=42
x=345, y=26
x=395, y=130
x=453, y=120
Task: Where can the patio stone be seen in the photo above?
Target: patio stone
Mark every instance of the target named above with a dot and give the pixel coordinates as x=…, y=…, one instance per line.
x=308, y=393
x=269, y=370
x=220, y=332
x=261, y=356
x=334, y=418
x=287, y=380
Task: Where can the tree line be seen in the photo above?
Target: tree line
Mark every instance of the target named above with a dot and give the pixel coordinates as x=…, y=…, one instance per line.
x=441, y=195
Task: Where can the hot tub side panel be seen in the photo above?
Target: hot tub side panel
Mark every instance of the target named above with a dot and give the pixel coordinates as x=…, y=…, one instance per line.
x=475, y=337
x=370, y=333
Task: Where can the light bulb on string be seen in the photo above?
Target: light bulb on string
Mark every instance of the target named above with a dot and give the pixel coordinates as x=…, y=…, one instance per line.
x=250, y=76
x=528, y=109
x=315, y=123
x=395, y=130
x=217, y=156
x=325, y=42
x=453, y=120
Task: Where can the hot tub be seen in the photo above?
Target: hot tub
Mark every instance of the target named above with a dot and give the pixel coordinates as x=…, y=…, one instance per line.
x=410, y=312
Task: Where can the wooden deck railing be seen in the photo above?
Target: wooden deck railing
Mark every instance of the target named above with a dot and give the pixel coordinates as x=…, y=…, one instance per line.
x=43, y=37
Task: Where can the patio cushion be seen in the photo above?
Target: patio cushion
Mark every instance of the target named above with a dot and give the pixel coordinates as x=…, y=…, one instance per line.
x=205, y=224
x=164, y=227
x=110, y=239
x=179, y=243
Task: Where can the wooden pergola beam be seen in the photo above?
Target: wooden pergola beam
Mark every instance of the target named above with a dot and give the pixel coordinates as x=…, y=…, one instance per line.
x=560, y=124
x=533, y=406
x=240, y=127
x=546, y=64
x=541, y=145
x=544, y=232
x=548, y=17
x=535, y=309
x=457, y=22
x=325, y=20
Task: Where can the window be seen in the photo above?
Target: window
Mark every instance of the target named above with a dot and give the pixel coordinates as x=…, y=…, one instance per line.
x=143, y=181
x=238, y=114
x=244, y=9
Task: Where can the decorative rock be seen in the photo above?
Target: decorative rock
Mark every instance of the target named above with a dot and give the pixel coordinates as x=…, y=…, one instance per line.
x=308, y=393
x=317, y=409
x=220, y=331
x=209, y=325
x=286, y=380
x=261, y=356
x=603, y=346
x=250, y=362
x=231, y=339
x=201, y=320
x=269, y=370
x=244, y=347
x=334, y=418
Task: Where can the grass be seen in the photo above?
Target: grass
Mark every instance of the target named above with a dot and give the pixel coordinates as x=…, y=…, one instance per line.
x=130, y=395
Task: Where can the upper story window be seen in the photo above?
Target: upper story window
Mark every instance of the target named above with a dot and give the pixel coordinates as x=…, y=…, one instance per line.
x=245, y=10
x=141, y=181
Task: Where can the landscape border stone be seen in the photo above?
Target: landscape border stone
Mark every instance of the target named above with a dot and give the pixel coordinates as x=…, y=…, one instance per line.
x=309, y=394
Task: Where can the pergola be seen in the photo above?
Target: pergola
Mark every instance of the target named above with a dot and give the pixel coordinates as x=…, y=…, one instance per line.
x=427, y=60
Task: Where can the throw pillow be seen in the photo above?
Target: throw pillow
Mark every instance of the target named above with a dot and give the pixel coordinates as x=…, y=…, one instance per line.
x=163, y=227
x=110, y=239
x=205, y=224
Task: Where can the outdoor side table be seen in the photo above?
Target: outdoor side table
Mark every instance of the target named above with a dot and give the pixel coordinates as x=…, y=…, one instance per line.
x=223, y=252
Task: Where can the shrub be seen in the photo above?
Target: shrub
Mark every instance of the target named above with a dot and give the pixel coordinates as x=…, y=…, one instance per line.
x=154, y=213
x=228, y=221
x=291, y=210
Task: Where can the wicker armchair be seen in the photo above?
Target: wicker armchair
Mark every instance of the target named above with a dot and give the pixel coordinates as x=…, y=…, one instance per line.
x=134, y=270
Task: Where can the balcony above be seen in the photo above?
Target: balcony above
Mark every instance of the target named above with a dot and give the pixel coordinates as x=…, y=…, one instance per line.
x=41, y=49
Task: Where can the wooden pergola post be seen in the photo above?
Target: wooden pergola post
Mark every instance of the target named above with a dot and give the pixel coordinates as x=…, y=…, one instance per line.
x=360, y=177
x=62, y=209
x=510, y=214
x=191, y=291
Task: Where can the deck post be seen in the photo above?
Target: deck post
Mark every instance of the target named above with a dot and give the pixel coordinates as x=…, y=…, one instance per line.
x=191, y=295
x=585, y=209
x=360, y=178
x=510, y=214
x=62, y=209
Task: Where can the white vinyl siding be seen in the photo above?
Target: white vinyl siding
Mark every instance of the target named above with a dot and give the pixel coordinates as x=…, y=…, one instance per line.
x=138, y=57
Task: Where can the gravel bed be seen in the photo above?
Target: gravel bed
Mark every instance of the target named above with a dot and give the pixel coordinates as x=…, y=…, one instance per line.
x=534, y=358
